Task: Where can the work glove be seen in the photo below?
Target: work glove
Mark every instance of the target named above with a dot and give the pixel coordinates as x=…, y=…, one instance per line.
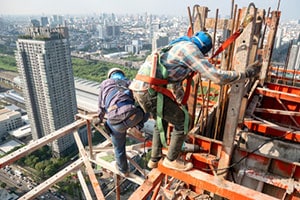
x=253, y=69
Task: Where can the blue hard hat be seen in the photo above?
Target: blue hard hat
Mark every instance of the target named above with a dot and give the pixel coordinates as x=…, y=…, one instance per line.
x=116, y=73
x=118, y=76
x=203, y=41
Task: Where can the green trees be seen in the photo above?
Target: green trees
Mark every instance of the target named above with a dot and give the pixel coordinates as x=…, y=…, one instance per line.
x=8, y=63
x=42, y=161
x=86, y=69
x=97, y=70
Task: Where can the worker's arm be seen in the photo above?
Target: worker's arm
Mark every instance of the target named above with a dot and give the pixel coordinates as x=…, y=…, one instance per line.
x=194, y=59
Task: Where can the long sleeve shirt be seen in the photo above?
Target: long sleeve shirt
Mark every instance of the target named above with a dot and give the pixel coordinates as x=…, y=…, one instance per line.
x=182, y=58
x=106, y=87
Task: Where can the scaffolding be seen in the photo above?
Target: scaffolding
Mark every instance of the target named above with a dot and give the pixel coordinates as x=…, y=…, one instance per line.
x=230, y=130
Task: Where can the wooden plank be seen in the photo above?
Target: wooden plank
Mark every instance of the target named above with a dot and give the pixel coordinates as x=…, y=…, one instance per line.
x=154, y=178
x=268, y=48
x=41, y=188
x=221, y=24
x=108, y=166
x=84, y=186
x=89, y=168
x=31, y=147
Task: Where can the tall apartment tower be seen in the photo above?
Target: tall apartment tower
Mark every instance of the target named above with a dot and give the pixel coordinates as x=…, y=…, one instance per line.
x=44, y=63
x=160, y=39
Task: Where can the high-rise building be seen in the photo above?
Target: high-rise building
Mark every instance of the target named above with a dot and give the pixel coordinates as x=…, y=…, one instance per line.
x=278, y=38
x=44, y=21
x=44, y=63
x=292, y=62
x=160, y=39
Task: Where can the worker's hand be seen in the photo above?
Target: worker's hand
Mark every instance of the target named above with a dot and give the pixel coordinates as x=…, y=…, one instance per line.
x=253, y=69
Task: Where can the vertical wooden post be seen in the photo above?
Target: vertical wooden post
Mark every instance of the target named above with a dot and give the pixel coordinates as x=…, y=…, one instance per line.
x=89, y=133
x=117, y=185
x=198, y=25
x=241, y=57
x=268, y=48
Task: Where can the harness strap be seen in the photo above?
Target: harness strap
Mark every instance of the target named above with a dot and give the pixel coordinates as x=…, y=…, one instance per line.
x=109, y=98
x=225, y=44
x=118, y=104
x=161, y=91
x=159, y=120
x=151, y=80
x=164, y=91
x=188, y=89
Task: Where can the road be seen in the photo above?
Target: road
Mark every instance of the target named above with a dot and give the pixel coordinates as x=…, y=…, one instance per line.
x=22, y=184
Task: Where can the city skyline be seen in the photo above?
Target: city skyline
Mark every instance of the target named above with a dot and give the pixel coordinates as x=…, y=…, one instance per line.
x=168, y=7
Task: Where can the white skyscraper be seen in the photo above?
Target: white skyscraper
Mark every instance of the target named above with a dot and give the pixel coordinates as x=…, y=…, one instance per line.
x=44, y=63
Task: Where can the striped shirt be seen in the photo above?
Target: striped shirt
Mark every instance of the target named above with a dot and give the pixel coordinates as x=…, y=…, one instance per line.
x=181, y=59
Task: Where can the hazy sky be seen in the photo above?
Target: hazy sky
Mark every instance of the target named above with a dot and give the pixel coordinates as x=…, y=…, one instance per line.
x=289, y=8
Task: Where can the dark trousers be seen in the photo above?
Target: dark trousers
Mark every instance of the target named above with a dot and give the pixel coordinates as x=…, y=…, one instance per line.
x=172, y=113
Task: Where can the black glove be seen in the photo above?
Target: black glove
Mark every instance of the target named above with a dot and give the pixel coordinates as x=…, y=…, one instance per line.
x=253, y=69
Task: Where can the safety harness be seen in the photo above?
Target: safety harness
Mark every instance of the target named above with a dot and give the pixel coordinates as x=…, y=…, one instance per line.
x=160, y=87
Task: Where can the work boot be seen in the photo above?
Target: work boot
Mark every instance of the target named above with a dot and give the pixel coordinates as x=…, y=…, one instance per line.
x=177, y=164
x=152, y=164
x=124, y=174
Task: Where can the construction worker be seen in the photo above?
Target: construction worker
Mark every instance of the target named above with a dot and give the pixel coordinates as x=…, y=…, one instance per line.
x=175, y=63
x=116, y=102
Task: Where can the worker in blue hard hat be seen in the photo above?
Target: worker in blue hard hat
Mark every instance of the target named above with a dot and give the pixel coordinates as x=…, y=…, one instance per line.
x=116, y=102
x=171, y=65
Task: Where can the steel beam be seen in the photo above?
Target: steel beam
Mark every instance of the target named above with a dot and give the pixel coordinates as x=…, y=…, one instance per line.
x=272, y=130
x=214, y=184
x=278, y=94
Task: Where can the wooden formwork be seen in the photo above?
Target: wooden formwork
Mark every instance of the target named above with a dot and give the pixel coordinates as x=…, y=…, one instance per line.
x=228, y=167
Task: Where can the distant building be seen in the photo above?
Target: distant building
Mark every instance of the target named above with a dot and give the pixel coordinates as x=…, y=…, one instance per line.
x=135, y=47
x=45, y=67
x=35, y=22
x=112, y=31
x=9, y=120
x=278, y=38
x=108, y=31
x=297, y=61
x=102, y=33
x=159, y=40
x=293, y=62
x=21, y=132
x=9, y=145
x=44, y=21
